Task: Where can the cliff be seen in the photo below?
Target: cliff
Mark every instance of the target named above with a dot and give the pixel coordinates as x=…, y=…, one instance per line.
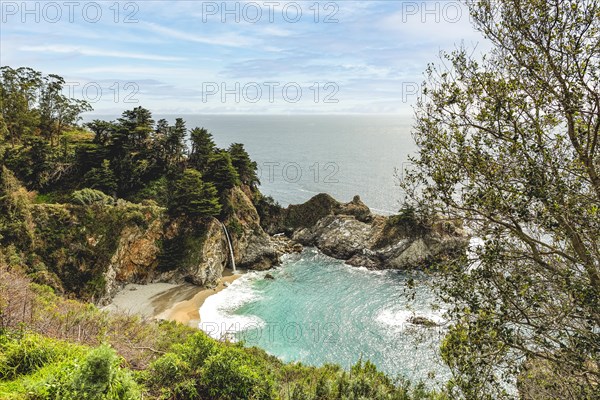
x=95, y=245
x=253, y=248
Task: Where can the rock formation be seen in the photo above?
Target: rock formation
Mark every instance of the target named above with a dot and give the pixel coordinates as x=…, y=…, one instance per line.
x=351, y=232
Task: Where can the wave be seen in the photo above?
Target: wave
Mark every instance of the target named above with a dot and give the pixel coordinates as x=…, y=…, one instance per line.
x=399, y=320
x=218, y=311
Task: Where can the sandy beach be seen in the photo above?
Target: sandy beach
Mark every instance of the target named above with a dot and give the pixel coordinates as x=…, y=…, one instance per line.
x=167, y=301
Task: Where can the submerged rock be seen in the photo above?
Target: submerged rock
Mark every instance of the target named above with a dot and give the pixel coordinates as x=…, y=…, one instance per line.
x=269, y=276
x=423, y=321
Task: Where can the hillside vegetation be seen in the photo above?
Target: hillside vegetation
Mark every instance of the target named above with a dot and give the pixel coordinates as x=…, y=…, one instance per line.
x=69, y=195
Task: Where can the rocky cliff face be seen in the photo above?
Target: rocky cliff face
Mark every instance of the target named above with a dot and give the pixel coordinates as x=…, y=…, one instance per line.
x=253, y=247
x=213, y=257
x=95, y=250
x=202, y=255
x=350, y=232
x=135, y=258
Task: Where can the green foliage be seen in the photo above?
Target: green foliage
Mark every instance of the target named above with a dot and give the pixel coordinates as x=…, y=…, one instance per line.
x=220, y=171
x=176, y=374
x=88, y=197
x=157, y=190
x=193, y=197
x=203, y=147
x=15, y=216
x=245, y=167
x=100, y=377
x=42, y=368
x=184, y=250
x=508, y=144
x=31, y=102
x=18, y=90
x=101, y=178
x=25, y=355
x=232, y=374
x=409, y=221
x=202, y=367
x=57, y=112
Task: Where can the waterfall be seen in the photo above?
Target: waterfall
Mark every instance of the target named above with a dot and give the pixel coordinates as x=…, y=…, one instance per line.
x=230, y=248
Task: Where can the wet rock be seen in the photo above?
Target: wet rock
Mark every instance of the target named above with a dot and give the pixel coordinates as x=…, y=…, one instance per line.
x=423, y=321
x=351, y=232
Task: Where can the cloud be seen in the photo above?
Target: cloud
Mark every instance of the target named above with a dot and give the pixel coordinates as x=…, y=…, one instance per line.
x=222, y=39
x=86, y=51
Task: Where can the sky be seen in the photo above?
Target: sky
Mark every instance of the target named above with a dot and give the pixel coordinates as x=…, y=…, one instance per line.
x=239, y=57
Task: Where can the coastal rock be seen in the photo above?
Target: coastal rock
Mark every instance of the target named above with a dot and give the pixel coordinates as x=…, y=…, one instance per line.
x=351, y=232
x=298, y=216
x=340, y=236
x=213, y=257
x=426, y=322
x=357, y=209
x=284, y=245
x=135, y=258
x=253, y=248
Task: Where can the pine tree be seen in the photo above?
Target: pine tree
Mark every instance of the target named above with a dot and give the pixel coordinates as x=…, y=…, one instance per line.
x=102, y=178
x=193, y=197
x=174, y=142
x=221, y=172
x=137, y=124
x=245, y=167
x=203, y=147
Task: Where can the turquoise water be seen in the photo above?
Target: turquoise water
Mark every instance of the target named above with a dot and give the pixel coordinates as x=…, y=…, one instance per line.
x=318, y=310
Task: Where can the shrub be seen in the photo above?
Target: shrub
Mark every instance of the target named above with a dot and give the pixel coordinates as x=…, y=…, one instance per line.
x=100, y=377
x=26, y=355
x=233, y=374
x=175, y=375
x=87, y=197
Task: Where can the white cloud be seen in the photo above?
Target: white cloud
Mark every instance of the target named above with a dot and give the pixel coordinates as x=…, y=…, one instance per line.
x=86, y=51
x=226, y=39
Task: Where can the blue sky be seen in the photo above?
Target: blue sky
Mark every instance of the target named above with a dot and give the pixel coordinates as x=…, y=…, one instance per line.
x=270, y=57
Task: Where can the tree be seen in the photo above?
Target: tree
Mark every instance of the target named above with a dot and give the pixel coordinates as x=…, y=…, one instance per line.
x=31, y=103
x=56, y=110
x=509, y=144
x=17, y=100
x=203, y=147
x=174, y=142
x=137, y=124
x=102, y=130
x=102, y=178
x=245, y=167
x=3, y=128
x=193, y=197
x=221, y=172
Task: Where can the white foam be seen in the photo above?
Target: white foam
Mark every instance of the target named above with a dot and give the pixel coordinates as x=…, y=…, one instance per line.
x=395, y=319
x=398, y=320
x=217, y=312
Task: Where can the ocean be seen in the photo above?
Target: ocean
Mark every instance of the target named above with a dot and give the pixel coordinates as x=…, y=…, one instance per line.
x=319, y=310
x=300, y=156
